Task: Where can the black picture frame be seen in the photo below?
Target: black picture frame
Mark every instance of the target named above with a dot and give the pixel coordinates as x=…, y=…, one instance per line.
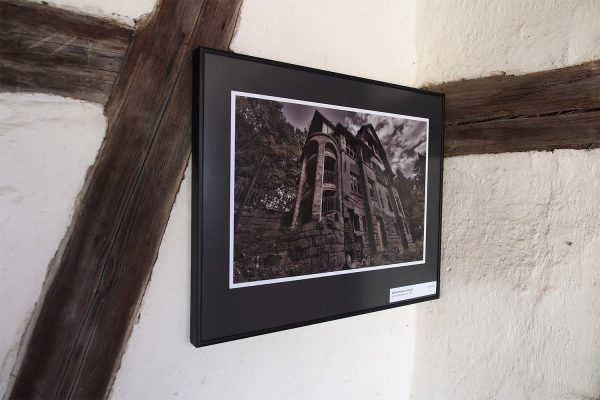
x=220, y=312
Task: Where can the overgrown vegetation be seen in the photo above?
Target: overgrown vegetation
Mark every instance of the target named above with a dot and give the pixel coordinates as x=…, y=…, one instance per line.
x=412, y=195
x=262, y=130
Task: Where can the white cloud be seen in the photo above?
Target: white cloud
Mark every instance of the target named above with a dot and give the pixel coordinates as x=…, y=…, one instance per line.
x=402, y=139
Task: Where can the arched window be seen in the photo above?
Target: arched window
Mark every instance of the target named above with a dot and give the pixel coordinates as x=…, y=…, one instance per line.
x=329, y=172
x=329, y=203
x=311, y=172
x=331, y=148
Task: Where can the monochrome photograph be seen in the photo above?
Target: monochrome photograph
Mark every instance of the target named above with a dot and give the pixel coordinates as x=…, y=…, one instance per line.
x=321, y=189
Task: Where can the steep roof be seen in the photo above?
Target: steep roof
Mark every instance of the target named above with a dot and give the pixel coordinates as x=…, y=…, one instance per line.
x=368, y=134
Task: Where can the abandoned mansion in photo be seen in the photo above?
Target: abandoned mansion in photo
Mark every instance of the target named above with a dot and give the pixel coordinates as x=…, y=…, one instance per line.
x=347, y=211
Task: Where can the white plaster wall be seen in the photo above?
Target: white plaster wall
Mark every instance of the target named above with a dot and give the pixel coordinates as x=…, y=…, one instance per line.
x=519, y=313
x=461, y=39
x=518, y=319
x=357, y=358
x=372, y=39
x=47, y=144
x=519, y=316
x=124, y=11
x=519, y=310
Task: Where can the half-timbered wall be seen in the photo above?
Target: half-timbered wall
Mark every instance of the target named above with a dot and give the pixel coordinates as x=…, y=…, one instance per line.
x=518, y=317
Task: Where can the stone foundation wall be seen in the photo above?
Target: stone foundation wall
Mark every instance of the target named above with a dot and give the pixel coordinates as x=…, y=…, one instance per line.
x=256, y=225
x=319, y=245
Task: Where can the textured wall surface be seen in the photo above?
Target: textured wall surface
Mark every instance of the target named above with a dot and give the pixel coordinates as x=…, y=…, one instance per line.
x=47, y=144
x=519, y=313
x=372, y=39
x=331, y=360
x=356, y=358
x=461, y=39
x=519, y=310
x=124, y=11
x=519, y=316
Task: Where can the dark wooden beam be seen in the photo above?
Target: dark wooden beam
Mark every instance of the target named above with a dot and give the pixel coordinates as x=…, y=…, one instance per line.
x=546, y=110
x=87, y=313
x=50, y=50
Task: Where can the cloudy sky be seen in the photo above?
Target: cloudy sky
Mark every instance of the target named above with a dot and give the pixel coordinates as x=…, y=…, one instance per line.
x=402, y=139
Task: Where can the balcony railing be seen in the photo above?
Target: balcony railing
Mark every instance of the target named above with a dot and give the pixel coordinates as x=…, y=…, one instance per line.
x=329, y=204
x=329, y=176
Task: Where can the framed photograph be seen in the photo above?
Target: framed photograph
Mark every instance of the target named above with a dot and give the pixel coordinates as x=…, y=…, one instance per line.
x=316, y=196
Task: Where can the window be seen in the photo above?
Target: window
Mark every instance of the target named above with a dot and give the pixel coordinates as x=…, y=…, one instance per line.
x=311, y=172
x=372, y=190
x=354, y=183
x=329, y=171
x=379, y=173
x=389, y=201
x=328, y=203
x=351, y=150
x=381, y=236
x=306, y=210
x=356, y=222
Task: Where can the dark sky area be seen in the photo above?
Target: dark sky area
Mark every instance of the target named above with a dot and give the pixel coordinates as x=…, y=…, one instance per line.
x=403, y=139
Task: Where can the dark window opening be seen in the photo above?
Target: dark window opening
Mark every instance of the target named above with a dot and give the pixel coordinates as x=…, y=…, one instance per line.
x=352, y=151
x=372, y=191
x=354, y=183
x=329, y=203
x=329, y=172
x=356, y=222
x=311, y=172
x=306, y=210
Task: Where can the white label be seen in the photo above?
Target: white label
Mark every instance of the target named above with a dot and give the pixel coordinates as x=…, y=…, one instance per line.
x=412, y=291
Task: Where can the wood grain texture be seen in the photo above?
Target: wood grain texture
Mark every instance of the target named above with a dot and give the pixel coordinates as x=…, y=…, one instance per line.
x=546, y=110
x=46, y=49
x=88, y=311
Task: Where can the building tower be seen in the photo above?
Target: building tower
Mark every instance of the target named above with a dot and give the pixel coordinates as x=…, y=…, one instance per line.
x=347, y=211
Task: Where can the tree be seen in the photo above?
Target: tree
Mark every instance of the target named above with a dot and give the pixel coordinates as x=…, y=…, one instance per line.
x=412, y=195
x=261, y=129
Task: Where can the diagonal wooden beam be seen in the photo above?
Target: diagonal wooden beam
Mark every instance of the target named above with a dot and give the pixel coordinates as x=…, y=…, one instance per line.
x=47, y=49
x=87, y=312
x=545, y=110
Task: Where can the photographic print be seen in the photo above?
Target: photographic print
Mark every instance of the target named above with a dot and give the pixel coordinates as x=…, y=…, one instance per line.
x=316, y=196
x=321, y=189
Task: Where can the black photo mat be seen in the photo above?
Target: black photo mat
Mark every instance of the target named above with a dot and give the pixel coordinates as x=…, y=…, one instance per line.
x=223, y=308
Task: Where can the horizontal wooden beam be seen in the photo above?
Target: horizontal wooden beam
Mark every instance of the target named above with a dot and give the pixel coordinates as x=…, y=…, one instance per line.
x=50, y=50
x=546, y=110
x=90, y=305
